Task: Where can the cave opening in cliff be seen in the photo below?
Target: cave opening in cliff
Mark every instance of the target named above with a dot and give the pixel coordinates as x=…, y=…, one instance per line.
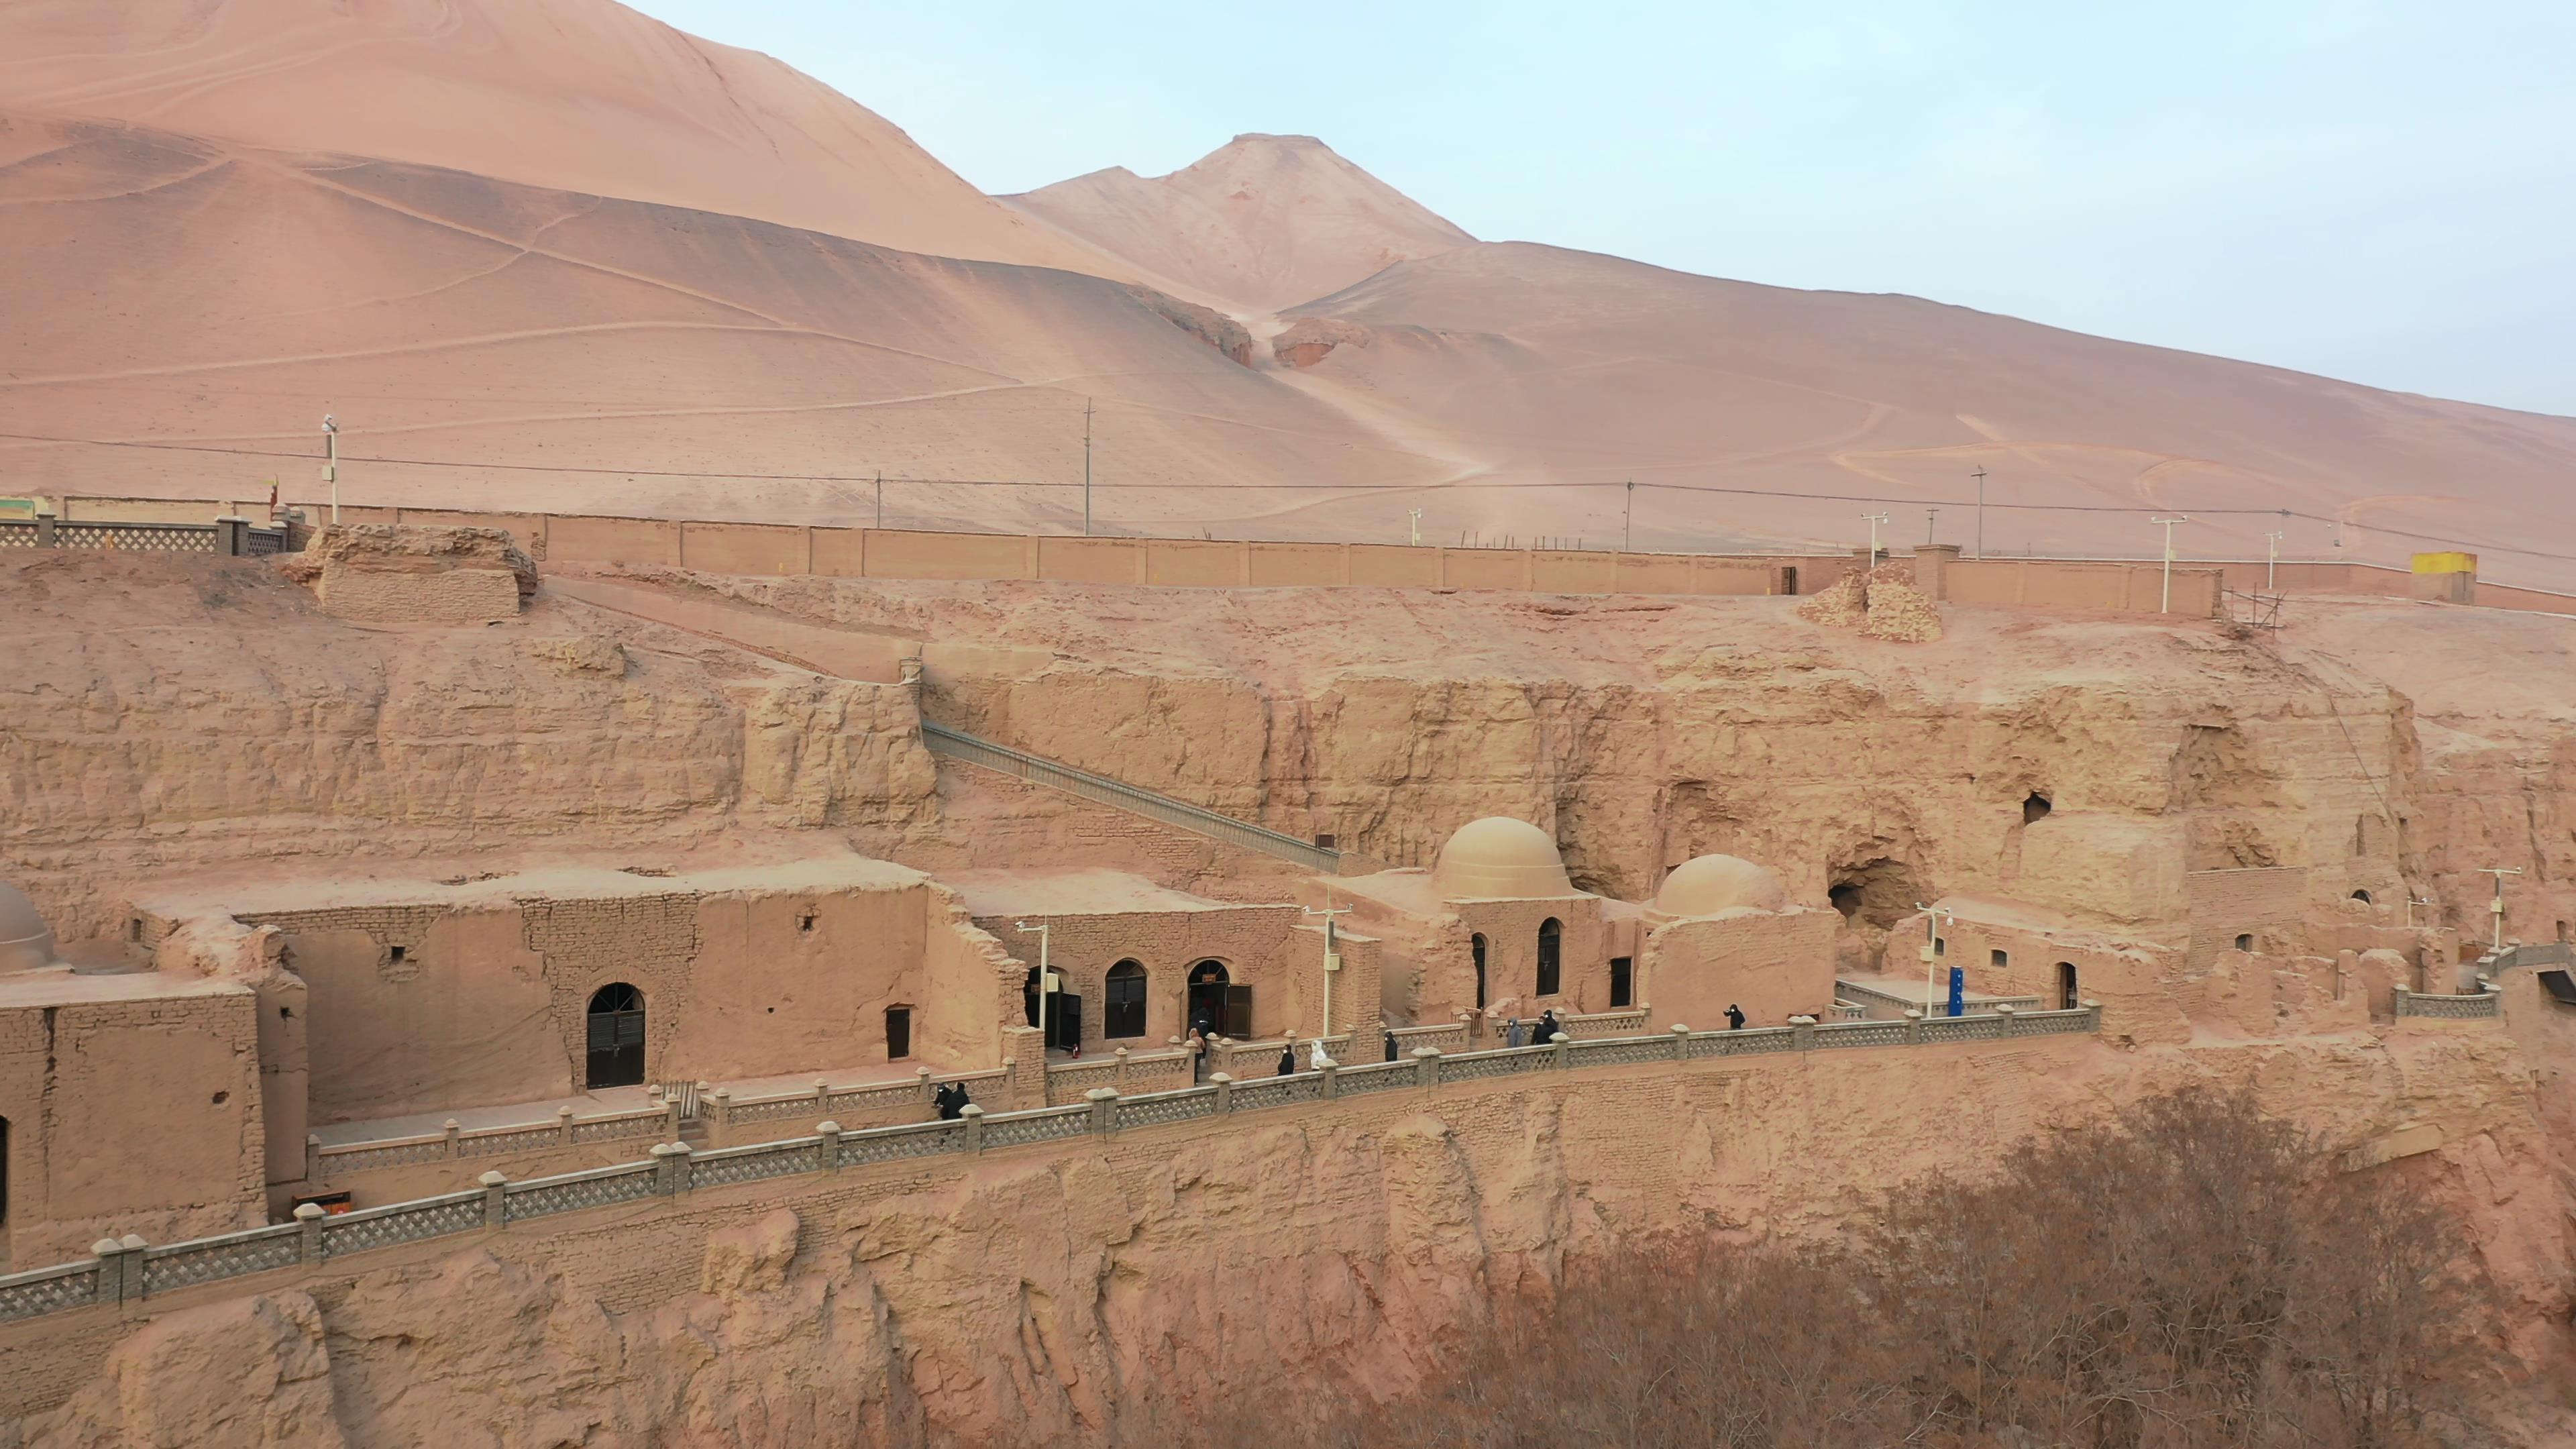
x=2362, y=896
x=2035, y=808
x=1876, y=893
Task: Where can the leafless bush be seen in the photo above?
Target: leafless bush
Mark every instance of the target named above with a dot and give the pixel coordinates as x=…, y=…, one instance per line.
x=2192, y=1276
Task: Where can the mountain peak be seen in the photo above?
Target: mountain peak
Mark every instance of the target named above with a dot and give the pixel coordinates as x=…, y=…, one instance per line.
x=1262, y=222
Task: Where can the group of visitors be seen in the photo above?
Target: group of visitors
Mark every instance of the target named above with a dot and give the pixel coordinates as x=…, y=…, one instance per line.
x=1537, y=1033
x=951, y=1100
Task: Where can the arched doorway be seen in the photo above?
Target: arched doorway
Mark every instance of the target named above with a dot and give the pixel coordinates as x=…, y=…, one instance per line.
x=616, y=1037
x=1063, y=1014
x=1551, y=956
x=1122, y=1007
x=2068, y=998
x=1476, y=949
x=1217, y=1004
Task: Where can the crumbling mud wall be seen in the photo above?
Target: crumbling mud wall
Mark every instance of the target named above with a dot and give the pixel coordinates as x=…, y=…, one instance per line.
x=1068, y=1296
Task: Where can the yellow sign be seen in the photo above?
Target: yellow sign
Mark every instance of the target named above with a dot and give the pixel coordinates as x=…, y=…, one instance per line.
x=2446, y=563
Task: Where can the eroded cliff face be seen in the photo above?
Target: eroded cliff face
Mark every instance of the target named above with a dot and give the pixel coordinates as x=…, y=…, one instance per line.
x=1077, y=1294
x=164, y=713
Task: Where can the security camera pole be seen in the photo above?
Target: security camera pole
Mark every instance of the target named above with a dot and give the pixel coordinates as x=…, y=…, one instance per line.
x=1628, y=519
x=2412, y=902
x=1415, y=514
x=2496, y=907
x=1874, y=520
x=1332, y=961
x=1980, y=476
x=2272, y=560
x=1046, y=983
x=2165, y=606
x=1086, y=467
x=331, y=463
x=1931, y=952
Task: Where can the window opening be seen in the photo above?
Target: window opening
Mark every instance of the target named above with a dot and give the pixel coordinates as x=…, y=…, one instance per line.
x=1122, y=1007
x=1551, y=949
x=1623, y=981
x=2245, y=942
x=616, y=1022
x=2066, y=993
x=898, y=1033
x=1476, y=949
x=1998, y=958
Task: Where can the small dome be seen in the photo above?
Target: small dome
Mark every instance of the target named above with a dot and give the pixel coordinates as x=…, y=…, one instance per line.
x=1714, y=883
x=1500, y=856
x=26, y=942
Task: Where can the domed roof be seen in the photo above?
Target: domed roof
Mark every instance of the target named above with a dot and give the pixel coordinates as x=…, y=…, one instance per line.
x=1714, y=883
x=26, y=942
x=1500, y=856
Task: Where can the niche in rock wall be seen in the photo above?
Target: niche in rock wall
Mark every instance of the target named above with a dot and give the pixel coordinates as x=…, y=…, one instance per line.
x=2035, y=808
x=1876, y=893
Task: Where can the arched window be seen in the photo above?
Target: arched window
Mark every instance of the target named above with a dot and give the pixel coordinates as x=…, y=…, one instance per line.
x=616, y=1022
x=1122, y=1011
x=2362, y=896
x=2067, y=996
x=1551, y=956
x=1217, y=1005
x=1476, y=949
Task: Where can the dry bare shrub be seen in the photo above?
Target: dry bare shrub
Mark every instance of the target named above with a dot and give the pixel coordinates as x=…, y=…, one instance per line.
x=2192, y=1275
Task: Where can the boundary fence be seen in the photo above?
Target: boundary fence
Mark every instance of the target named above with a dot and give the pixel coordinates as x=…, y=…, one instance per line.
x=125, y=1270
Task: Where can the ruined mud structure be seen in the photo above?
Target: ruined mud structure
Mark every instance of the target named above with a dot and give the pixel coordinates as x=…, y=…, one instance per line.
x=443, y=984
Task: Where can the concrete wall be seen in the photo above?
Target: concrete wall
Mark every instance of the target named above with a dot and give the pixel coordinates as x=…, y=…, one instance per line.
x=1772, y=964
x=135, y=1115
x=2132, y=588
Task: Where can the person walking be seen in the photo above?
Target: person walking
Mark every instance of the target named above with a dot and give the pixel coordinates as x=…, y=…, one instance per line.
x=1734, y=1017
x=1288, y=1060
x=1513, y=1035
x=1547, y=1028
x=1197, y=1047
x=1390, y=1046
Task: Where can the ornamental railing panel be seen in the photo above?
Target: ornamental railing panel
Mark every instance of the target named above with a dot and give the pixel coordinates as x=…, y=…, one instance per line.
x=402, y=1222
x=574, y=1191
x=205, y=1260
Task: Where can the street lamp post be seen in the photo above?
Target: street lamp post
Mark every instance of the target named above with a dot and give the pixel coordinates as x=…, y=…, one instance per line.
x=1332, y=962
x=1980, y=476
x=1874, y=520
x=1931, y=952
x=2495, y=907
x=1046, y=981
x=331, y=461
x=2271, y=560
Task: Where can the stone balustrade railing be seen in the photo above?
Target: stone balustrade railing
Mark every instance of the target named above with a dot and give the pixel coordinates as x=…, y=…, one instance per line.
x=725, y=1113
x=454, y=1143
x=1121, y=1069
x=1886, y=1006
x=1447, y=1036
x=2456, y=1008
x=236, y=537
x=1626, y=1022
x=127, y=1269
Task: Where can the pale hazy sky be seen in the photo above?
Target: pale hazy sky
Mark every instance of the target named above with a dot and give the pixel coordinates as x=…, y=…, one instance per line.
x=2384, y=192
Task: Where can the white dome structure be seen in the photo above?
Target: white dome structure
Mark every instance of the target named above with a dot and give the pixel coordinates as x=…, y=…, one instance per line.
x=1713, y=883
x=26, y=942
x=1500, y=857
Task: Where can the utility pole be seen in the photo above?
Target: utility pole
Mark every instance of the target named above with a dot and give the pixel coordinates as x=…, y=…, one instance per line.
x=881, y=498
x=1980, y=476
x=1416, y=515
x=331, y=463
x=1931, y=518
x=2166, y=605
x=1874, y=520
x=1332, y=961
x=1931, y=952
x=1628, y=519
x=1086, y=467
x=2271, y=560
x=1046, y=984
x=2496, y=907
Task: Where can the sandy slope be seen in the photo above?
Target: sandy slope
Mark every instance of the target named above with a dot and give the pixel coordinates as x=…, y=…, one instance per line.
x=163, y=288
x=1262, y=221
x=581, y=95
x=1554, y=364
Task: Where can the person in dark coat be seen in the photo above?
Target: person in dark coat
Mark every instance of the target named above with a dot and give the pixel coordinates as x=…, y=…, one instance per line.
x=1734, y=1017
x=1390, y=1046
x=1288, y=1060
x=945, y=1100
x=1547, y=1028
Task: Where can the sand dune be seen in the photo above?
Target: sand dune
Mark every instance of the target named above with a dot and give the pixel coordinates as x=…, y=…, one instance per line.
x=611, y=267
x=578, y=95
x=1262, y=221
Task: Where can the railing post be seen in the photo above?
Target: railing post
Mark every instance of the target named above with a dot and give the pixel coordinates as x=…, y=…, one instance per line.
x=830, y=1132
x=110, y=1286
x=308, y=1233
x=231, y=535
x=822, y=1094
x=720, y=1118
x=973, y=1117
x=1913, y=1027
x=922, y=1076
x=453, y=1130
x=1224, y=1084
x=1802, y=1032
x=2397, y=1000
x=2093, y=1016
x=1426, y=1066
x=670, y=1168
x=312, y=1159
x=45, y=531
x=130, y=1284
x=1681, y=1042
x=1331, y=1073
x=496, y=1206
x=1563, y=1046
x=563, y=1123
x=2008, y=1012
x=1104, y=1110
x=1118, y=1071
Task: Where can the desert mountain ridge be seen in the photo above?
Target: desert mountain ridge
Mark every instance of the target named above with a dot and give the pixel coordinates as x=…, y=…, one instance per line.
x=1266, y=221
x=558, y=255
